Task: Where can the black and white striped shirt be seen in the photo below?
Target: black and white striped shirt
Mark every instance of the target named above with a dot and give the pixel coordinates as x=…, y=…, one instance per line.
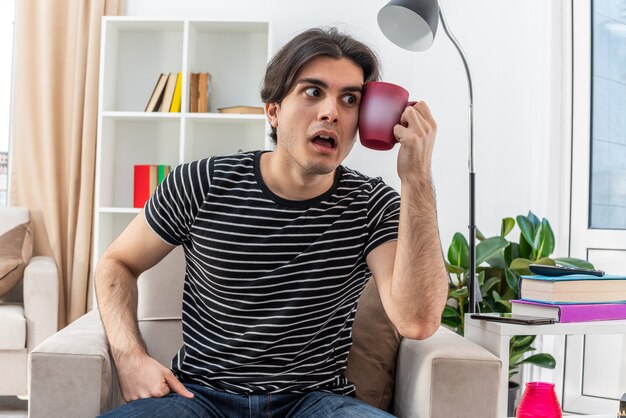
x=271, y=284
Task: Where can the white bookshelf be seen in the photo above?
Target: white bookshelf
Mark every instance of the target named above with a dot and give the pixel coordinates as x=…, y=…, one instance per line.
x=134, y=52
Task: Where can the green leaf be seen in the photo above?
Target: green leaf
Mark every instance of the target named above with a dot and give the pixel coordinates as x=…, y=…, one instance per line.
x=497, y=261
x=454, y=269
x=505, y=304
x=522, y=342
x=528, y=231
x=481, y=277
x=511, y=294
x=511, y=253
x=452, y=324
x=495, y=295
x=512, y=280
x=507, y=226
x=533, y=219
x=458, y=253
x=573, y=262
x=489, y=248
x=542, y=360
x=514, y=359
x=546, y=261
x=536, y=240
x=525, y=249
x=459, y=293
x=450, y=312
x=544, y=239
x=520, y=266
x=479, y=235
x=490, y=283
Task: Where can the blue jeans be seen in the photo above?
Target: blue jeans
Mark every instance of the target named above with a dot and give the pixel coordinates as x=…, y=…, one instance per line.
x=215, y=404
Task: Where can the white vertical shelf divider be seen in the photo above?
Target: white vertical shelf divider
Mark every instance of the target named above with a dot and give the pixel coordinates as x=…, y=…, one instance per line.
x=185, y=98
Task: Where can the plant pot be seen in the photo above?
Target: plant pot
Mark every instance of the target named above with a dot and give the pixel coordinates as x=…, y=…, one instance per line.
x=513, y=391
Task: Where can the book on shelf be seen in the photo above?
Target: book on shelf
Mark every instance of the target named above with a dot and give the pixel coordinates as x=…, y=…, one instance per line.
x=570, y=312
x=145, y=181
x=157, y=94
x=242, y=110
x=162, y=172
x=204, y=92
x=168, y=94
x=575, y=288
x=194, y=91
x=178, y=90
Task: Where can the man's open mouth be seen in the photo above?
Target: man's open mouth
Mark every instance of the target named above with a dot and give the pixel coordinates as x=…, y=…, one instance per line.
x=325, y=141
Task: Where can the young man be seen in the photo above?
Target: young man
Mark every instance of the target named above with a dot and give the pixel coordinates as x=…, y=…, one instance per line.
x=279, y=246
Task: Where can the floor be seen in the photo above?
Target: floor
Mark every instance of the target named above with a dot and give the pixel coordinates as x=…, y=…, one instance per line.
x=12, y=407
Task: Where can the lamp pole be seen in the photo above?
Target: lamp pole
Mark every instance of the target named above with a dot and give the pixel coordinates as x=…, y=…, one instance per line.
x=472, y=283
x=412, y=25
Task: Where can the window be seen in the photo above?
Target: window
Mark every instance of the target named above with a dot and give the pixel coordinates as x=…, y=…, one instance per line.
x=7, y=20
x=608, y=126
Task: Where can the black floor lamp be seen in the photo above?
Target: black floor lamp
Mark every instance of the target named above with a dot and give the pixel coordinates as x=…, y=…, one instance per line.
x=412, y=25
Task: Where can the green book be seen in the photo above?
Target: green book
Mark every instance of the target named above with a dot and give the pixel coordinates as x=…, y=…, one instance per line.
x=162, y=172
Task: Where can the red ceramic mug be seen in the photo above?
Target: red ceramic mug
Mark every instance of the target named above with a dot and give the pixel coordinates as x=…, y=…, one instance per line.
x=381, y=108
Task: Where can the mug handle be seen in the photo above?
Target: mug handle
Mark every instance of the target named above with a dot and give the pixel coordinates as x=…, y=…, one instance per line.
x=412, y=103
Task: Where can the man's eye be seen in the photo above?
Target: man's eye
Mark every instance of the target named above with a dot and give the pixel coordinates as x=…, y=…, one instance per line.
x=313, y=92
x=349, y=100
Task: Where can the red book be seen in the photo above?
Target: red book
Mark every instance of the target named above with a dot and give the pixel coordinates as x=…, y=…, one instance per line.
x=145, y=180
x=571, y=312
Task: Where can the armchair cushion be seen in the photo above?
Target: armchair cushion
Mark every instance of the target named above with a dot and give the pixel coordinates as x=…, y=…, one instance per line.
x=16, y=248
x=372, y=358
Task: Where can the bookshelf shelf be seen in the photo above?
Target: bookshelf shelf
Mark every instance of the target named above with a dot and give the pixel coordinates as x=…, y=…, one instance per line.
x=134, y=52
x=224, y=117
x=119, y=210
x=140, y=116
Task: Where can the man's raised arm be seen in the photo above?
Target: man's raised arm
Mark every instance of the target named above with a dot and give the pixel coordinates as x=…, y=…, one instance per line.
x=410, y=273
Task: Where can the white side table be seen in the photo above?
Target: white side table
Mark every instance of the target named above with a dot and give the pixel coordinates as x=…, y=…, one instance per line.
x=495, y=337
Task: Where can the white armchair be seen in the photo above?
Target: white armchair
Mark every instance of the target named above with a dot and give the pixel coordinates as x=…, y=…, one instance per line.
x=28, y=313
x=73, y=375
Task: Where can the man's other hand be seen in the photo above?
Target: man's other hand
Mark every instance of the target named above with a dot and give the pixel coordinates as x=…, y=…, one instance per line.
x=144, y=377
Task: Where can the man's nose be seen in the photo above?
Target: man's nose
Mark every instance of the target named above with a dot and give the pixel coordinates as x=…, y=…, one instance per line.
x=329, y=110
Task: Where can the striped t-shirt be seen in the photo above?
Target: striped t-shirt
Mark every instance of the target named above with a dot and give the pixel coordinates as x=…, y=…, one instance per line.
x=271, y=285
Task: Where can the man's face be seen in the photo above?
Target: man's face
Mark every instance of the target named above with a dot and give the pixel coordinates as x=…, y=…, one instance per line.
x=316, y=122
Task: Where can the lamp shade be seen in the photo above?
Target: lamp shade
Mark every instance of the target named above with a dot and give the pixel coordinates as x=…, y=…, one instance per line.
x=410, y=24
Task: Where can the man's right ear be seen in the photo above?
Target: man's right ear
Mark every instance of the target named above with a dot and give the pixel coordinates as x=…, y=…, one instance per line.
x=271, y=111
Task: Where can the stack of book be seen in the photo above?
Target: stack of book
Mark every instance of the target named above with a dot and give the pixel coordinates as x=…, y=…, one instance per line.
x=147, y=178
x=572, y=298
x=167, y=93
x=199, y=92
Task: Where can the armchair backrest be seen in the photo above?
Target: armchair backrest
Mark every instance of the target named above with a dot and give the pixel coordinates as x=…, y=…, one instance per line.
x=159, y=308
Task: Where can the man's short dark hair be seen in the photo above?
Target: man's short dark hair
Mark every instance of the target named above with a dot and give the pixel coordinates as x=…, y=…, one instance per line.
x=280, y=75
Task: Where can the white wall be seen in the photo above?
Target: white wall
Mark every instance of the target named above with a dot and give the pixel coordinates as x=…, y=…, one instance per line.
x=514, y=49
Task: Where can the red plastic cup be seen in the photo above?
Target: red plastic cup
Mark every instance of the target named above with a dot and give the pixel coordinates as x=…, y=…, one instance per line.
x=539, y=400
x=381, y=108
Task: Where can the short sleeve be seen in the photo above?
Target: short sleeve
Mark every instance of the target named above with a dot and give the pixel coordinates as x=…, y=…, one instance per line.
x=173, y=207
x=383, y=216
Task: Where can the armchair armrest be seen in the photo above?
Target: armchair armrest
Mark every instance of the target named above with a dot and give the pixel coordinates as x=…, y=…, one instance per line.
x=41, y=299
x=446, y=375
x=72, y=374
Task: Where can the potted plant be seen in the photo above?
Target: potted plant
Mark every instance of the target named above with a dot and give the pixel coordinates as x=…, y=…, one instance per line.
x=499, y=264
